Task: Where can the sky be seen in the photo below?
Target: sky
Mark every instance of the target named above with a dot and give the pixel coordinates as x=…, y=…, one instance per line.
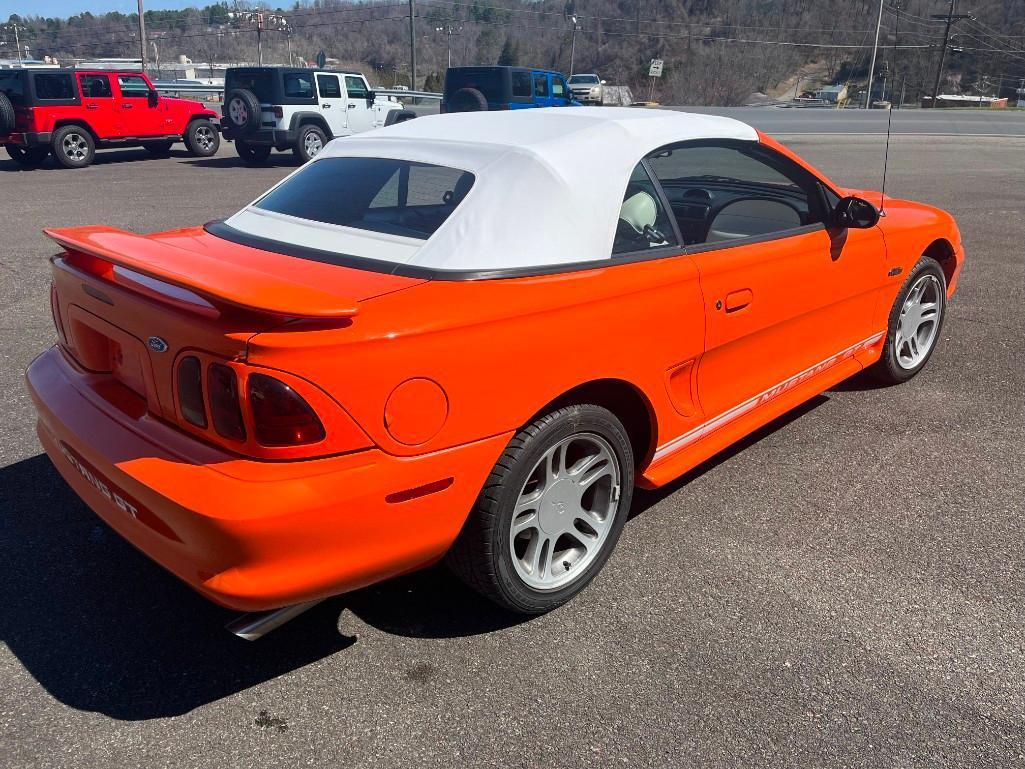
x=65, y=8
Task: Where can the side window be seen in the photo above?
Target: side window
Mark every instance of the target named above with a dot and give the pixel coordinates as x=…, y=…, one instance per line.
x=95, y=86
x=329, y=87
x=540, y=85
x=724, y=193
x=133, y=87
x=355, y=87
x=643, y=221
x=559, y=88
x=520, y=84
x=51, y=87
x=298, y=85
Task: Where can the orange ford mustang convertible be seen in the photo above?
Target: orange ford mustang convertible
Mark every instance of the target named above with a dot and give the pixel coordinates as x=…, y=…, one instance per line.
x=461, y=337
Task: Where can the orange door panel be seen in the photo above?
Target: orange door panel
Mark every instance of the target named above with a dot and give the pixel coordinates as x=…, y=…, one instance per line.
x=778, y=307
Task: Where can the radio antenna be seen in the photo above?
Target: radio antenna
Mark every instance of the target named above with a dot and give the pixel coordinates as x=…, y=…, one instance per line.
x=889, y=112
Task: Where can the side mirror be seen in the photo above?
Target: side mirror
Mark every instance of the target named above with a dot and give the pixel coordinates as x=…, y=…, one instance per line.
x=855, y=213
x=154, y=98
x=371, y=96
x=603, y=82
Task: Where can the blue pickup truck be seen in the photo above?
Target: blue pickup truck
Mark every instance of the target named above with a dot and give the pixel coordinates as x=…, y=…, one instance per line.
x=479, y=89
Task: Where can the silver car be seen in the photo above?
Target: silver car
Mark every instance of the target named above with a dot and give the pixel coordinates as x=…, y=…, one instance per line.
x=587, y=89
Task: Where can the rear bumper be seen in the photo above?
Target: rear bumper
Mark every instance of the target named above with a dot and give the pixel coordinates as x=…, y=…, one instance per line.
x=273, y=137
x=253, y=535
x=28, y=138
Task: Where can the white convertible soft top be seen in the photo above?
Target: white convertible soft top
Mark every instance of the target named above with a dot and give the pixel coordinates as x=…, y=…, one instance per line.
x=549, y=184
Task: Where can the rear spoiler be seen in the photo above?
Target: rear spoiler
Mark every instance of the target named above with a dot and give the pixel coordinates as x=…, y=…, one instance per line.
x=234, y=284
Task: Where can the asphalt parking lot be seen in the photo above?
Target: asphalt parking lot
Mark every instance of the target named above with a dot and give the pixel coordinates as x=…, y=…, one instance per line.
x=846, y=588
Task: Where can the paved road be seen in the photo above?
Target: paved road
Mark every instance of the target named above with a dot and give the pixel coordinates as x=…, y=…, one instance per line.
x=845, y=589
x=940, y=122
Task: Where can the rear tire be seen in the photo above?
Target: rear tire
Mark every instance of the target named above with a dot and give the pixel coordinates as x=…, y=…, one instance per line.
x=916, y=319
x=467, y=100
x=6, y=114
x=242, y=110
x=565, y=482
x=253, y=154
x=309, y=143
x=202, y=139
x=30, y=157
x=73, y=146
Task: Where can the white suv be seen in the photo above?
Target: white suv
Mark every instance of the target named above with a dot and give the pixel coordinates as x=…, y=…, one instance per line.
x=282, y=108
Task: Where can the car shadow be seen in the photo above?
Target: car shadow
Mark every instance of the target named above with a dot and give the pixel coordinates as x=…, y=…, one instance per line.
x=275, y=160
x=102, y=158
x=104, y=629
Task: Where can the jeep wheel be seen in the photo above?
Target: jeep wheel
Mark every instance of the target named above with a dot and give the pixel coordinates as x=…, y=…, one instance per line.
x=253, y=154
x=242, y=110
x=310, y=142
x=158, y=149
x=73, y=146
x=30, y=157
x=468, y=100
x=6, y=114
x=551, y=511
x=202, y=139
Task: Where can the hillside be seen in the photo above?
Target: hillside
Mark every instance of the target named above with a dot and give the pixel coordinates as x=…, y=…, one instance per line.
x=716, y=51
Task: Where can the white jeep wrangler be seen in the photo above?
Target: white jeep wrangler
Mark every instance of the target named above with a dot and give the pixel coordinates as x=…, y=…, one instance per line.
x=283, y=108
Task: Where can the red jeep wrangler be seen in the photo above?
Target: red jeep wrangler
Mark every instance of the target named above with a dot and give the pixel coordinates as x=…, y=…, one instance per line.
x=72, y=112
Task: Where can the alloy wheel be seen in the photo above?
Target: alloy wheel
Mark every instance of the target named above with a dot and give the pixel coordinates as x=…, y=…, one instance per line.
x=565, y=511
x=918, y=325
x=75, y=147
x=238, y=112
x=312, y=144
x=205, y=137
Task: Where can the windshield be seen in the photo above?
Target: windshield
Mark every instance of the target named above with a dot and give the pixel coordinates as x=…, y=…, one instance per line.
x=583, y=79
x=395, y=197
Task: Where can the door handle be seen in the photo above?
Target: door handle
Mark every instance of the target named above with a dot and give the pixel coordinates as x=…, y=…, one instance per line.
x=738, y=300
x=127, y=106
x=92, y=106
x=325, y=106
x=352, y=106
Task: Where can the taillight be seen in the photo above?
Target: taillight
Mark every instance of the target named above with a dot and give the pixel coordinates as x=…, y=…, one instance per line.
x=279, y=112
x=190, y=391
x=281, y=417
x=225, y=409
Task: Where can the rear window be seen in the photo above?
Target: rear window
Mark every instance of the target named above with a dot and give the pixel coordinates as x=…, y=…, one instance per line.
x=521, y=84
x=259, y=81
x=53, y=87
x=298, y=85
x=487, y=81
x=13, y=84
x=396, y=197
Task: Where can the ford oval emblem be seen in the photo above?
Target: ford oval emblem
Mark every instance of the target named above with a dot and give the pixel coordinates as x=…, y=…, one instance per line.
x=157, y=344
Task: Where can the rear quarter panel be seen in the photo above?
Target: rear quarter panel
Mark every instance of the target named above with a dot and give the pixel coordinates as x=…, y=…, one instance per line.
x=504, y=349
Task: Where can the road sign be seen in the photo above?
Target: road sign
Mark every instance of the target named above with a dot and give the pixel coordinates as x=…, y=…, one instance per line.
x=655, y=70
x=321, y=59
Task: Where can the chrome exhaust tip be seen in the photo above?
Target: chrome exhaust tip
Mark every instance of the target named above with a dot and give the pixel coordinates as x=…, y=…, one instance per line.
x=257, y=624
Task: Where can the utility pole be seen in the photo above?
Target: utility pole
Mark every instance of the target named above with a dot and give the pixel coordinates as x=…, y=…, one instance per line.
x=949, y=18
x=412, y=45
x=573, y=44
x=276, y=21
x=142, y=36
x=875, y=50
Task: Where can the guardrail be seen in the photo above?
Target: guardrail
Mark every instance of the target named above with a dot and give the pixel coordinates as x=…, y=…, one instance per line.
x=202, y=88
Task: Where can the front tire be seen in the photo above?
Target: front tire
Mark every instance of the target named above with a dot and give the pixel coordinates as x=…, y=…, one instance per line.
x=202, y=139
x=551, y=511
x=915, y=322
x=73, y=146
x=253, y=154
x=30, y=157
x=309, y=143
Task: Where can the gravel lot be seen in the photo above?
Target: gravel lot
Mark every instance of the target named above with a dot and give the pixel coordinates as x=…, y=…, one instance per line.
x=844, y=589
